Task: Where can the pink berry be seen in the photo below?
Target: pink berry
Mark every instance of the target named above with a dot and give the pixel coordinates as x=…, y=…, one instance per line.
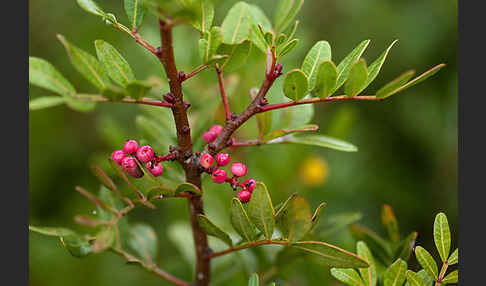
x=250, y=184
x=219, y=176
x=216, y=129
x=222, y=159
x=130, y=166
x=130, y=147
x=118, y=156
x=238, y=169
x=145, y=153
x=206, y=160
x=156, y=170
x=209, y=136
x=244, y=196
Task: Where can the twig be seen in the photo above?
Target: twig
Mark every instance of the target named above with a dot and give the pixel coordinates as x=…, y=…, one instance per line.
x=95, y=200
x=317, y=100
x=245, y=246
x=137, y=38
x=150, y=267
x=256, y=142
x=223, y=93
x=230, y=127
x=196, y=71
x=143, y=100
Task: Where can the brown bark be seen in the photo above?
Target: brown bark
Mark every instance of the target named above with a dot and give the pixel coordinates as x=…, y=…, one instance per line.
x=185, y=153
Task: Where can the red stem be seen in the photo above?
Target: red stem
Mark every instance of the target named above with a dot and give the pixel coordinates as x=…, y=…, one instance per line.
x=195, y=71
x=223, y=93
x=317, y=100
x=246, y=143
x=230, y=127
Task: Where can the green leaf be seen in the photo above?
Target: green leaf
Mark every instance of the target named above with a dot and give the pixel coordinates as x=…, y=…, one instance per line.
x=387, y=89
x=378, y=245
x=205, y=17
x=345, y=65
x=258, y=17
x=321, y=51
x=113, y=92
x=86, y=64
x=285, y=13
x=236, y=24
x=51, y=231
x=292, y=30
x=337, y=222
x=331, y=255
x=279, y=208
x=347, y=276
x=106, y=196
x=389, y=220
x=414, y=279
x=326, y=79
x=135, y=10
x=264, y=122
x=369, y=274
x=45, y=102
x=321, y=141
x=45, y=75
x=427, y=262
x=187, y=187
x=155, y=130
x=137, y=89
x=287, y=48
x=454, y=258
x=143, y=241
x=240, y=221
x=452, y=277
x=374, y=68
x=405, y=248
x=356, y=79
x=78, y=104
x=281, y=39
x=296, y=220
x=76, y=245
x=116, y=66
x=91, y=7
x=237, y=55
x=281, y=132
x=296, y=84
x=269, y=37
x=442, y=236
x=209, y=46
x=257, y=37
x=317, y=214
x=411, y=83
x=395, y=274
x=104, y=240
x=253, y=280
x=260, y=210
x=426, y=277
x=211, y=229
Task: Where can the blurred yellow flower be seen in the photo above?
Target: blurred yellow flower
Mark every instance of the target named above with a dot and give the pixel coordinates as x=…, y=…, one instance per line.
x=314, y=171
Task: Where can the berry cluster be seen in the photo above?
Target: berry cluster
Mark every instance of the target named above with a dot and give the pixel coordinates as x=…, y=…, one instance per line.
x=127, y=157
x=220, y=176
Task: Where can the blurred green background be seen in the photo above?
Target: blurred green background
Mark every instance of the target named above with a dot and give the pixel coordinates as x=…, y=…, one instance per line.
x=407, y=145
